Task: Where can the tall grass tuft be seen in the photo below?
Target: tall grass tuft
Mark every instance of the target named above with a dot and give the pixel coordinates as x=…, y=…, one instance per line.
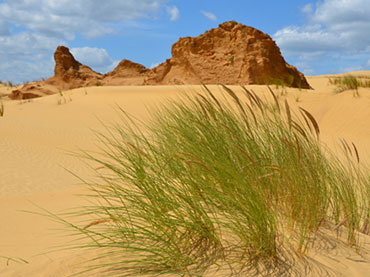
x=2, y=108
x=350, y=82
x=215, y=181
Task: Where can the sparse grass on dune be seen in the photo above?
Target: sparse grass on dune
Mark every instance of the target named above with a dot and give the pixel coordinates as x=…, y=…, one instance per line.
x=350, y=82
x=8, y=83
x=233, y=181
x=2, y=108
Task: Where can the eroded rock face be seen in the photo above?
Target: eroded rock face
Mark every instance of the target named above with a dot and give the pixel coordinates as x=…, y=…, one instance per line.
x=231, y=54
x=128, y=68
x=126, y=73
x=32, y=90
x=69, y=73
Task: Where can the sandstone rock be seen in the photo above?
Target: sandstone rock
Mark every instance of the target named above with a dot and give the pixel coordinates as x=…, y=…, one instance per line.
x=32, y=90
x=128, y=68
x=231, y=54
x=126, y=73
x=18, y=94
x=69, y=73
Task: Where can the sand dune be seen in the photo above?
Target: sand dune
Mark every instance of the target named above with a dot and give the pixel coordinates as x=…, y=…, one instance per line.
x=37, y=136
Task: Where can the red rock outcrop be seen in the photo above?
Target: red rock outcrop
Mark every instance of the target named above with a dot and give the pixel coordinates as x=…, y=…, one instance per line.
x=69, y=73
x=27, y=92
x=231, y=54
x=32, y=90
x=126, y=73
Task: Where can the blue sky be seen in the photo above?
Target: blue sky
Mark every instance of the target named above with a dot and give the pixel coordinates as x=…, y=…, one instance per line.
x=318, y=37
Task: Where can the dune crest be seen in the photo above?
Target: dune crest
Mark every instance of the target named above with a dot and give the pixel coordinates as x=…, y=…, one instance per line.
x=38, y=136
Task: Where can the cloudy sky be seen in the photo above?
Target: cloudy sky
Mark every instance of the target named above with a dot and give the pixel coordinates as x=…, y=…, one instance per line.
x=318, y=37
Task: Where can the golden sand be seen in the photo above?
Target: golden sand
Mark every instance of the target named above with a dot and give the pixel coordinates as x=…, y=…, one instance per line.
x=37, y=135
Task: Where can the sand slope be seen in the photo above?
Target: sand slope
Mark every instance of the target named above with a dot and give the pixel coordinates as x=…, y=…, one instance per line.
x=36, y=137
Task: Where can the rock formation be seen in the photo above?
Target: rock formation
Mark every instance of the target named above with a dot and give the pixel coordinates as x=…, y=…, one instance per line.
x=69, y=73
x=232, y=54
x=126, y=73
x=32, y=90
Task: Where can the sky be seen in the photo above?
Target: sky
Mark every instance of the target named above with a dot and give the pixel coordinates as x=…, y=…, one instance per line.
x=318, y=37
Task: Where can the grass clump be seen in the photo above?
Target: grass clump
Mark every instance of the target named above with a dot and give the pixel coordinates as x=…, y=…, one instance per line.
x=215, y=181
x=350, y=82
x=231, y=60
x=62, y=98
x=7, y=83
x=282, y=83
x=277, y=82
x=2, y=108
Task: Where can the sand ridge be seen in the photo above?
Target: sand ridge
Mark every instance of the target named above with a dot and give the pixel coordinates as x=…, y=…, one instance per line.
x=36, y=137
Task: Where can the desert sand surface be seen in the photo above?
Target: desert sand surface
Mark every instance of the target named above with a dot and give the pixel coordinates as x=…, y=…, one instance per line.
x=38, y=136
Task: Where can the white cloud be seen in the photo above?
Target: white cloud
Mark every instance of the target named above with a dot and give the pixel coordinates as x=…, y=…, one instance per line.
x=173, y=12
x=97, y=58
x=42, y=25
x=21, y=71
x=4, y=29
x=26, y=56
x=335, y=29
x=341, y=14
x=307, y=8
x=24, y=46
x=209, y=15
x=66, y=17
x=334, y=25
x=306, y=41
